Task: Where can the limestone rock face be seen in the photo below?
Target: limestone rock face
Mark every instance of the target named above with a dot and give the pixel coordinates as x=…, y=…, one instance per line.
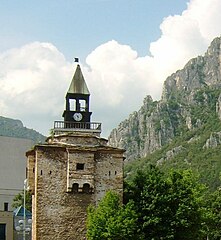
x=156, y=123
x=218, y=107
x=170, y=154
x=144, y=131
x=214, y=140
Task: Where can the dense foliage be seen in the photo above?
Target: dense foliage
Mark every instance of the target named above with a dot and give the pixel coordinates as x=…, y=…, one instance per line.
x=173, y=206
x=213, y=206
x=110, y=220
x=169, y=207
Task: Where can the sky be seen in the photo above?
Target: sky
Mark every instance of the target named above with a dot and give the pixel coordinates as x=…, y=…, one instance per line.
x=127, y=48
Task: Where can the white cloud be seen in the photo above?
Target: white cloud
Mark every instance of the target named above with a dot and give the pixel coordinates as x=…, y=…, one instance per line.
x=35, y=77
x=115, y=75
x=122, y=78
x=118, y=81
x=207, y=14
x=33, y=80
x=187, y=35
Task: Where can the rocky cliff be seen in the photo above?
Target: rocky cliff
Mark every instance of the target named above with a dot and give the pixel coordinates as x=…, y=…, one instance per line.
x=191, y=98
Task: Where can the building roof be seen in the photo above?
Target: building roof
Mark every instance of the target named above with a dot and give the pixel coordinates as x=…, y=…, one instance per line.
x=78, y=84
x=20, y=212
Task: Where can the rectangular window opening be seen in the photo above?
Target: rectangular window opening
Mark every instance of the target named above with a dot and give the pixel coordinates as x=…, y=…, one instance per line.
x=82, y=105
x=2, y=231
x=6, y=207
x=80, y=166
x=72, y=103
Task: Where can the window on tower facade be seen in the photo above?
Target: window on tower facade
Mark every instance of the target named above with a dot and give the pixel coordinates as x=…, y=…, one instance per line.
x=5, y=206
x=86, y=188
x=75, y=187
x=82, y=105
x=72, y=103
x=80, y=166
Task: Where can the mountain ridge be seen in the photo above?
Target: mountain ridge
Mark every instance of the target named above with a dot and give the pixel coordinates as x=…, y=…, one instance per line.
x=14, y=128
x=182, y=129
x=156, y=123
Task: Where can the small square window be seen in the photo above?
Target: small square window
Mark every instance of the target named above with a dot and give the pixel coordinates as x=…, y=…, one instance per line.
x=80, y=166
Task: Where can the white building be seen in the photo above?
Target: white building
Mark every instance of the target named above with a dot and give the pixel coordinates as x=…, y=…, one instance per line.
x=12, y=175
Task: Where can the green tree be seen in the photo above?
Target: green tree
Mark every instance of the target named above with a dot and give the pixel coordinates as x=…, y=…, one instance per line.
x=186, y=202
x=213, y=217
x=111, y=220
x=168, y=207
x=19, y=200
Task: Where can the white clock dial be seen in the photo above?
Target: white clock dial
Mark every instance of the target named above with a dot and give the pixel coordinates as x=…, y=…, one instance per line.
x=77, y=116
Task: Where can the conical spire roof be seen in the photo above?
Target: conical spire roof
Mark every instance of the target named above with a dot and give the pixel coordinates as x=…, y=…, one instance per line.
x=78, y=84
x=20, y=212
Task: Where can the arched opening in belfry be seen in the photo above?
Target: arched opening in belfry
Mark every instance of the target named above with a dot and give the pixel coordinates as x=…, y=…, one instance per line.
x=86, y=188
x=75, y=187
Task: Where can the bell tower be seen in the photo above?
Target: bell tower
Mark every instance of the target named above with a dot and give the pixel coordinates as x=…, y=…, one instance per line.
x=73, y=169
x=77, y=99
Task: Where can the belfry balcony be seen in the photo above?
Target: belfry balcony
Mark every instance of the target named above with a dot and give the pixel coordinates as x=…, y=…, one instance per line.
x=61, y=127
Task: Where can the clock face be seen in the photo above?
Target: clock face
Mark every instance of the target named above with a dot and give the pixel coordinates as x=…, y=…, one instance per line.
x=77, y=117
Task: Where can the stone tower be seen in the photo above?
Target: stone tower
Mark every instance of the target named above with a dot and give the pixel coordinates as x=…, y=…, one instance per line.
x=73, y=169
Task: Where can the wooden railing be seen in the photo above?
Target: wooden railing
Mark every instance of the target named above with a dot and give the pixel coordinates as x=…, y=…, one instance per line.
x=61, y=125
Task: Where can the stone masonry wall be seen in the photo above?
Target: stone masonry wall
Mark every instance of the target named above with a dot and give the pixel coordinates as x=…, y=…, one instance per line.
x=54, y=171
x=31, y=172
x=80, y=176
x=59, y=215
x=108, y=173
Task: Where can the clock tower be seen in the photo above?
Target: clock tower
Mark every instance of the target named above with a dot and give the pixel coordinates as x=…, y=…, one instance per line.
x=77, y=100
x=72, y=170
